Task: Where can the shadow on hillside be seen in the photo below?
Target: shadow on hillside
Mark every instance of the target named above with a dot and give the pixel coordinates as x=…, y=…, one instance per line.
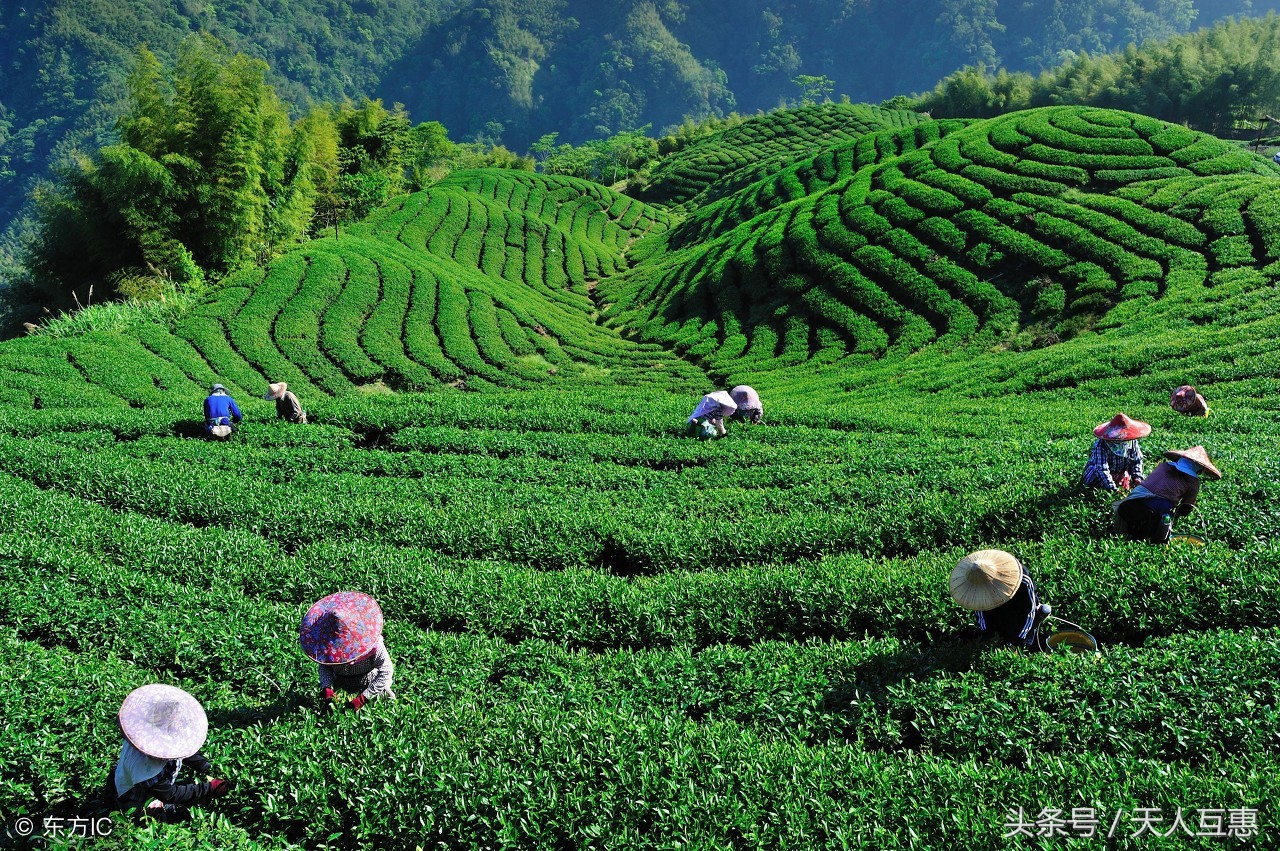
x=238, y=719
x=862, y=690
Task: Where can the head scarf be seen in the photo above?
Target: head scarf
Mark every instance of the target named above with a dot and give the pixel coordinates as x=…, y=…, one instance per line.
x=136, y=767
x=1186, y=465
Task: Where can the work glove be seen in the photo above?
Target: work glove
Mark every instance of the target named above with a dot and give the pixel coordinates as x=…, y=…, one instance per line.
x=358, y=701
x=219, y=787
x=1124, y=482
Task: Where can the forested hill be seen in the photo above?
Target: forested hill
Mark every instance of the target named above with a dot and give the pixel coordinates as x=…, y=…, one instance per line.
x=514, y=70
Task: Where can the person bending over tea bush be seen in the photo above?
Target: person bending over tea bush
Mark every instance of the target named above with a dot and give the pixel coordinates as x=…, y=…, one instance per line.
x=220, y=413
x=994, y=586
x=1170, y=491
x=714, y=407
x=163, y=728
x=1115, y=461
x=342, y=634
x=288, y=408
x=1185, y=400
x=748, y=402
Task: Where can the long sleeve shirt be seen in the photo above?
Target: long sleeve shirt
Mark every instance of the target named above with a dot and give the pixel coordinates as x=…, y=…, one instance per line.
x=1169, y=483
x=1105, y=468
x=370, y=676
x=220, y=409
x=288, y=407
x=164, y=786
x=1013, y=620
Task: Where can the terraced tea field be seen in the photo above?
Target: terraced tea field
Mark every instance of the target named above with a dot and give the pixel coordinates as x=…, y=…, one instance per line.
x=607, y=635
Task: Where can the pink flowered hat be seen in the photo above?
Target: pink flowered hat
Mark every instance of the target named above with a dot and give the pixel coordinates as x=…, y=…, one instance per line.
x=341, y=628
x=163, y=721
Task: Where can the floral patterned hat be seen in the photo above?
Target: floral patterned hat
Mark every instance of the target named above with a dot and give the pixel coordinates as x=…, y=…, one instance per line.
x=163, y=721
x=341, y=628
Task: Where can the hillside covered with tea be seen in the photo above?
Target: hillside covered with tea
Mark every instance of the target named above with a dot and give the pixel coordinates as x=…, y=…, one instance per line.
x=609, y=635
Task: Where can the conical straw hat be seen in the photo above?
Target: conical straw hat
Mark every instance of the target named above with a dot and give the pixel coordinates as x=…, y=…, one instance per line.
x=163, y=721
x=1197, y=454
x=276, y=391
x=1120, y=427
x=985, y=579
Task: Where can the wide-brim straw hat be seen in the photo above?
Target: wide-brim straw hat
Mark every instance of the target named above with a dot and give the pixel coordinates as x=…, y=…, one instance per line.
x=986, y=579
x=163, y=722
x=341, y=628
x=1197, y=454
x=276, y=391
x=1121, y=427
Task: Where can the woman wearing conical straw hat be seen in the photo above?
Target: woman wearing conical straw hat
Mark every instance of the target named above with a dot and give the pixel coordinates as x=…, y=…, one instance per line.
x=1170, y=491
x=342, y=634
x=747, y=399
x=1115, y=461
x=994, y=586
x=163, y=728
x=712, y=408
x=1185, y=400
x=288, y=407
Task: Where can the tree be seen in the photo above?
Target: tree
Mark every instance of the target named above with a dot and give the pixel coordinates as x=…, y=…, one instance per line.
x=813, y=89
x=208, y=175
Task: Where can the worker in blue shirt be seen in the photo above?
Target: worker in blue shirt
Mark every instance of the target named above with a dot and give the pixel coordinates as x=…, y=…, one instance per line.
x=220, y=412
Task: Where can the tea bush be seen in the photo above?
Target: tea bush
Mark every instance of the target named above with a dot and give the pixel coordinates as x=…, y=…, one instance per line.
x=608, y=635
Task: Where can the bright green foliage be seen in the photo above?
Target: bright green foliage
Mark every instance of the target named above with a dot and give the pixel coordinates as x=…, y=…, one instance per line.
x=204, y=178
x=1035, y=224
x=717, y=164
x=1220, y=80
x=608, y=635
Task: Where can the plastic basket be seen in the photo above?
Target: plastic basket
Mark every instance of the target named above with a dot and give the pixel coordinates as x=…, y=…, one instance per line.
x=1071, y=640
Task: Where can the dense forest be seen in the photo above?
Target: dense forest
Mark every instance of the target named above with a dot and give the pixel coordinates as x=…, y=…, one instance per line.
x=512, y=71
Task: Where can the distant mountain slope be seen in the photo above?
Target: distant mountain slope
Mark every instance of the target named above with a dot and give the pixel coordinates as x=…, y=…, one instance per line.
x=518, y=69
x=1019, y=230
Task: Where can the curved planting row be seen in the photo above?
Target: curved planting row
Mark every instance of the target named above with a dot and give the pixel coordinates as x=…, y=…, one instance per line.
x=483, y=280
x=712, y=166
x=954, y=234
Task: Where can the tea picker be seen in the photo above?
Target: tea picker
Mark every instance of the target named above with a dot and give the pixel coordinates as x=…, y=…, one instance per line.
x=342, y=634
x=1170, y=491
x=163, y=729
x=221, y=415
x=711, y=410
x=1115, y=460
x=288, y=408
x=995, y=586
x=1185, y=400
x=747, y=399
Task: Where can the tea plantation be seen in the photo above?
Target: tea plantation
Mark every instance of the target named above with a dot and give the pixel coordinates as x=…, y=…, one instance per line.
x=608, y=635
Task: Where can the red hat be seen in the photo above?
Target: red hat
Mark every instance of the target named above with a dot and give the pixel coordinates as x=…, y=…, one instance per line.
x=1121, y=427
x=1185, y=400
x=341, y=628
x=1197, y=454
